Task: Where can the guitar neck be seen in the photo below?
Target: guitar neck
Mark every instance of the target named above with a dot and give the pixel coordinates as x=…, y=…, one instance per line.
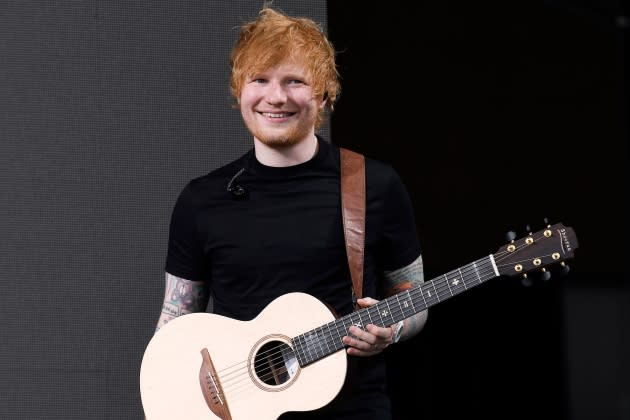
x=326, y=339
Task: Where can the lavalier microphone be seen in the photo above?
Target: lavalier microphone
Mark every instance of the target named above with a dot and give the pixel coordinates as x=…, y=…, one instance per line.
x=237, y=190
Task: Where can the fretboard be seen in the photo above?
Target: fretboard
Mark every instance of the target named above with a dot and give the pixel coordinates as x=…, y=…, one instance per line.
x=322, y=341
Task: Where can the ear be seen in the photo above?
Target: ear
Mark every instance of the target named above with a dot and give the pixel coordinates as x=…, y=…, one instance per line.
x=326, y=99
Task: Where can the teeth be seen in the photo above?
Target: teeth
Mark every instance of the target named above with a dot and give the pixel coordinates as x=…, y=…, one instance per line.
x=276, y=114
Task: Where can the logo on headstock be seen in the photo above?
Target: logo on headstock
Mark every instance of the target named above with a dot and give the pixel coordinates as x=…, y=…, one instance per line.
x=565, y=239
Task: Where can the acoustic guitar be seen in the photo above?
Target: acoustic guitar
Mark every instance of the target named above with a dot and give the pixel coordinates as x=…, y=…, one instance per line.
x=290, y=357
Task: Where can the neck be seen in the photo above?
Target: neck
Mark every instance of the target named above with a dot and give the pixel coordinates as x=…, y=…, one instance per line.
x=282, y=156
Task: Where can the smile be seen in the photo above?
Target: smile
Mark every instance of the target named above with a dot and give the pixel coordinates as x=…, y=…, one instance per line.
x=277, y=114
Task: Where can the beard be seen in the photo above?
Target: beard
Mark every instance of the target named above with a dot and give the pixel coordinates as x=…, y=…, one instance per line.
x=287, y=136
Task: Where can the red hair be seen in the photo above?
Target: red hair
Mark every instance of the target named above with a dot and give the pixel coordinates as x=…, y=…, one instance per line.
x=274, y=37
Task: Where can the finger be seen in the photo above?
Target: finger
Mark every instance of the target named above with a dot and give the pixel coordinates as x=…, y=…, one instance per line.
x=366, y=302
x=364, y=349
x=384, y=336
x=360, y=340
x=363, y=335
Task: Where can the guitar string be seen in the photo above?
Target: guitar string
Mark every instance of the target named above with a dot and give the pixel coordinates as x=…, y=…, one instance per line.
x=482, y=270
x=484, y=264
x=443, y=285
x=266, y=375
x=399, y=310
x=233, y=387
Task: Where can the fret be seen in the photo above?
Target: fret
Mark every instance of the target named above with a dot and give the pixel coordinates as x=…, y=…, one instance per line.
x=352, y=317
x=477, y=272
x=462, y=277
x=435, y=290
x=298, y=351
x=360, y=324
x=318, y=342
x=326, y=339
x=421, y=288
x=304, y=351
x=377, y=311
x=429, y=294
x=405, y=303
x=312, y=344
x=329, y=337
x=444, y=292
x=339, y=337
x=413, y=307
x=448, y=284
x=388, y=313
x=456, y=282
x=342, y=326
x=370, y=315
x=395, y=318
x=411, y=303
x=372, y=312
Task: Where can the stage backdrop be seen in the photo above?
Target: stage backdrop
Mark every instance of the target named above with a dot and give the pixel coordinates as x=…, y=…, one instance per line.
x=498, y=114
x=106, y=110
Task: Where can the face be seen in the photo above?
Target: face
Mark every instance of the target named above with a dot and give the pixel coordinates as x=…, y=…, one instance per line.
x=278, y=106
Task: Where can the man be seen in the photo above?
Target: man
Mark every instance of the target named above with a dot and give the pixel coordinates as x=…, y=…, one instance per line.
x=270, y=222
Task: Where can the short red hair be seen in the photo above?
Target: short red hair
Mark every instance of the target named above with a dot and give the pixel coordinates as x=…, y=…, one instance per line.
x=274, y=37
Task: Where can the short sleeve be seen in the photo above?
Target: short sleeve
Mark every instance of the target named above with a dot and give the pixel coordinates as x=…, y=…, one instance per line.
x=400, y=243
x=185, y=250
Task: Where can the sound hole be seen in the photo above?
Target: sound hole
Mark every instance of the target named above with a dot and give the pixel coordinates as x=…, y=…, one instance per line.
x=275, y=363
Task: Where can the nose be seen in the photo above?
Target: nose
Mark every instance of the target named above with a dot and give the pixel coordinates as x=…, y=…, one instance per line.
x=276, y=93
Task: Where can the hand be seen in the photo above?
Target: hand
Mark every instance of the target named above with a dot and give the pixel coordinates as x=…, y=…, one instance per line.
x=371, y=340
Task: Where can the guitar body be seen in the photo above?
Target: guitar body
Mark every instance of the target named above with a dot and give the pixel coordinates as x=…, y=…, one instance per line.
x=248, y=371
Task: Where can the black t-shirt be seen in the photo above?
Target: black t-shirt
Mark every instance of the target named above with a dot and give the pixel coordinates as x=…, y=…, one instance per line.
x=286, y=235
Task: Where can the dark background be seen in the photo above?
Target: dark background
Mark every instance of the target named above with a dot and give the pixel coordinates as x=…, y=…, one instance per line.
x=497, y=115
x=107, y=109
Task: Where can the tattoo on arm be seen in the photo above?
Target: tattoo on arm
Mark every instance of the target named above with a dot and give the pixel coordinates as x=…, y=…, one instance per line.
x=181, y=297
x=402, y=279
x=405, y=277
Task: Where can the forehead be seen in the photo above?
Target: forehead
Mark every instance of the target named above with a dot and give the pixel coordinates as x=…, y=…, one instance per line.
x=284, y=68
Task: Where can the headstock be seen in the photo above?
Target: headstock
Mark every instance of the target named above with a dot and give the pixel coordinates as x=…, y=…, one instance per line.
x=536, y=252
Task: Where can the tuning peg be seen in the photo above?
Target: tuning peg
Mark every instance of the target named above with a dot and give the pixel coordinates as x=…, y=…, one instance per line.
x=546, y=275
x=565, y=268
x=528, y=229
x=526, y=281
x=546, y=220
x=510, y=236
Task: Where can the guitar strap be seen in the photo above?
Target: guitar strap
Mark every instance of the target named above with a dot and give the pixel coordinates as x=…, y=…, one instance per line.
x=353, y=213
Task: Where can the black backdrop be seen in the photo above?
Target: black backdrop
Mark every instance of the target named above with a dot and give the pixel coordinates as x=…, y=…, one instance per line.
x=499, y=115
x=495, y=115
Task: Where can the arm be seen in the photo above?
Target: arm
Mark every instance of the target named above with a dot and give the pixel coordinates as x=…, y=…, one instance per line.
x=403, y=279
x=375, y=339
x=181, y=297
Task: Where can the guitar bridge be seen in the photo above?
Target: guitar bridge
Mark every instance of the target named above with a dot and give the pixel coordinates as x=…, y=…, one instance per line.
x=211, y=387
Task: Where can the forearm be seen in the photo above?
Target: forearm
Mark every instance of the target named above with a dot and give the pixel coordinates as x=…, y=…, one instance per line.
x=402, y=279
x=181, y=297
x=413, y=325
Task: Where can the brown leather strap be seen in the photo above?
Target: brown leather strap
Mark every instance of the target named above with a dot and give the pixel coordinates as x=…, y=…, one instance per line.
x=353, y=211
